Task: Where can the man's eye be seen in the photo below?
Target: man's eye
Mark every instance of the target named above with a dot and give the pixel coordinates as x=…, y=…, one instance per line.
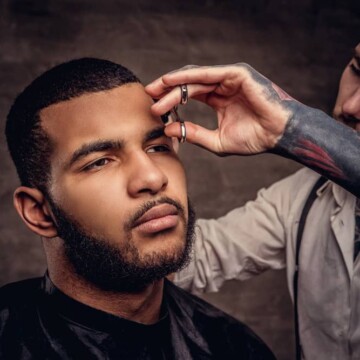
x=355, y=69
x=96, y=164
x=158, y=148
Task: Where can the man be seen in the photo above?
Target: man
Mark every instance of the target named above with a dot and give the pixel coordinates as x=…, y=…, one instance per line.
x=263, y=234
x=103, y=187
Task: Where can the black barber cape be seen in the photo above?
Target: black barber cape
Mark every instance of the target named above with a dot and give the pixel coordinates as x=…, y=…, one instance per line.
x=38, y=321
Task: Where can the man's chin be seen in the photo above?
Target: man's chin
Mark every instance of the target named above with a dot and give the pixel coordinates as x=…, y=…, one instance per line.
x=130, y=269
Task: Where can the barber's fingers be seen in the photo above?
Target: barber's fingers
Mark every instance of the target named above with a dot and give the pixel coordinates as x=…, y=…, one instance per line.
x=187, y=75
x=203, y=75
x=198, y=135
x=157, y=88
x=173, y=97
x=219, y=74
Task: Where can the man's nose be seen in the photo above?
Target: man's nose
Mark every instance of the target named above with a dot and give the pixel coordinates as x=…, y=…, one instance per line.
x=351, y=106
x=145, y=176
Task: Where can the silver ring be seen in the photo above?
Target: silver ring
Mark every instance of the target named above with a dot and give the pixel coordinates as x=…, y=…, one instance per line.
x=184, y=94
x=183, y=132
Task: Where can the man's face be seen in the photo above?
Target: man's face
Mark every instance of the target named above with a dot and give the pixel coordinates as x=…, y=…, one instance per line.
x=347, y=106
x=118, y=186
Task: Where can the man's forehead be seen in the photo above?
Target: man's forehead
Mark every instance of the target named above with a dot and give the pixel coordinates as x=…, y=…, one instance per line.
x=127, y=94
x=125, y=99
x=102, y=115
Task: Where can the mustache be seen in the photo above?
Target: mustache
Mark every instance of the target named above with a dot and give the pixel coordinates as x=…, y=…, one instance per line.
x=131, y=223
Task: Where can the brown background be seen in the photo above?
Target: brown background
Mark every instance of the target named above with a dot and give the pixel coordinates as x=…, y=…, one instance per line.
x=301, y=45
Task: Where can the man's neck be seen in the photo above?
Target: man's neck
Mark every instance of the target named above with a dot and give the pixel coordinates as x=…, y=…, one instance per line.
x=143, y=306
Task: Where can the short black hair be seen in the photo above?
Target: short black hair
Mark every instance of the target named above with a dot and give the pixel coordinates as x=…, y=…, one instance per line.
x=29, y=145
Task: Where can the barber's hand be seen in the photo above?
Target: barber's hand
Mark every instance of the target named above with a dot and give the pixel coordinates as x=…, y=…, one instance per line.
x=251, y=110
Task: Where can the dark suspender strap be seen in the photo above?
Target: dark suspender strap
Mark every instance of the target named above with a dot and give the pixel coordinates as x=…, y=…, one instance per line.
x=309, y=202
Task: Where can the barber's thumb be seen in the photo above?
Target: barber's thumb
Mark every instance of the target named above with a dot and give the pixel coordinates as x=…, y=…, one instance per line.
x=195, y=134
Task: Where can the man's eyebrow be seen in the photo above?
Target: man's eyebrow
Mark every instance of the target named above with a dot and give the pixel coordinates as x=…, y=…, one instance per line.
x=103, y=145
x=92, y=147
x=154, y=134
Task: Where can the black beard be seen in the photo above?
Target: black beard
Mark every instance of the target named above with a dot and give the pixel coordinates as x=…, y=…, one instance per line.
x=121, y=269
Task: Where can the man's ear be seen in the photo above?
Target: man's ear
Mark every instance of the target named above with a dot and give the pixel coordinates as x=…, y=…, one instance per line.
x=34, y=210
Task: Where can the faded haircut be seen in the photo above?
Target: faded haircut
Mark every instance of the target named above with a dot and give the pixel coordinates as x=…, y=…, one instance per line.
x=29, y=145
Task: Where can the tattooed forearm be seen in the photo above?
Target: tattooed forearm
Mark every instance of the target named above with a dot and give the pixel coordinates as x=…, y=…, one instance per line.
x=319, y=142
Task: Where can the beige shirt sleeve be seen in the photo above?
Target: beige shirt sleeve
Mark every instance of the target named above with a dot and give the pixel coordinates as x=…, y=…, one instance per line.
x=245, y=242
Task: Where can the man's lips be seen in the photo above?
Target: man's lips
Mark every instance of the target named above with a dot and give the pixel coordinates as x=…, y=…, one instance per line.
x=158, y=218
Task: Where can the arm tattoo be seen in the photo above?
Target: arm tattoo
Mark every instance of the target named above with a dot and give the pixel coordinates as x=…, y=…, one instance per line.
x=316, y=140
x=322, y=144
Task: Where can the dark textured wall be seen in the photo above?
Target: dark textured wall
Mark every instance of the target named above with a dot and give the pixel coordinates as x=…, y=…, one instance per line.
x=301, y=45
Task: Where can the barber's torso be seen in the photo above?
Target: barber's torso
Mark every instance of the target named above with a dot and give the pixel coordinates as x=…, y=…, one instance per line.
x=329, y=279
x=262, y=235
